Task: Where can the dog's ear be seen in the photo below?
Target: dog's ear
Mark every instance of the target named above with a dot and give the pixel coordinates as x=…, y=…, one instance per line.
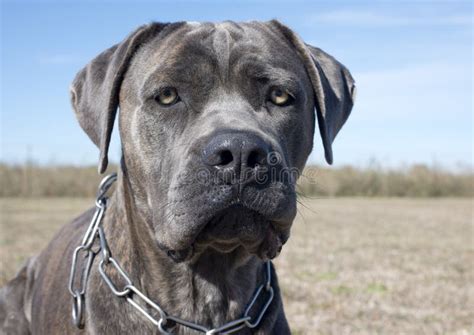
x=333, y=87
x=95, y=90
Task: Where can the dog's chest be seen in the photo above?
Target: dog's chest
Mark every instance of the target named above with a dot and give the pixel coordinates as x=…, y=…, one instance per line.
x=198, y=301
x=209, y=304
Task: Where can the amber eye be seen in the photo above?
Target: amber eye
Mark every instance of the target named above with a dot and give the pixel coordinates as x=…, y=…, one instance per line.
x=167, y=96
x=280, y=97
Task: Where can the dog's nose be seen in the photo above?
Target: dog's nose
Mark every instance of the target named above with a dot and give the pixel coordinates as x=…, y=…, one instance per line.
x=236, y=151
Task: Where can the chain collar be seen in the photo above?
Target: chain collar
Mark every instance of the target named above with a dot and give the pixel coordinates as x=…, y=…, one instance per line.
x=165, y=323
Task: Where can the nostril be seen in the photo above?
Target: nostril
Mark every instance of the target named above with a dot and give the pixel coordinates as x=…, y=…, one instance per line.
x=235, y=151
x=225, y=157
x=254, y=159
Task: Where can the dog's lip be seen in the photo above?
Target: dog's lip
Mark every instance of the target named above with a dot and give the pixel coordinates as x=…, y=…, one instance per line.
x=227, y=245
x=224, y=246
x=235, y=206
x=204, y=238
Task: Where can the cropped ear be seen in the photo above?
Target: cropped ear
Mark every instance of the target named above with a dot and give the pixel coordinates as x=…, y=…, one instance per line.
x=333, y=87
x=95, y=89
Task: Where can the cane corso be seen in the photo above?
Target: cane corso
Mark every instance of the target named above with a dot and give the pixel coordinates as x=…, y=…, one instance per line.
x=215, y=121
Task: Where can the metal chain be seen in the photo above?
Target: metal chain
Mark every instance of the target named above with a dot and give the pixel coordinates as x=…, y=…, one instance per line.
x=165, y=323
x=85, y=249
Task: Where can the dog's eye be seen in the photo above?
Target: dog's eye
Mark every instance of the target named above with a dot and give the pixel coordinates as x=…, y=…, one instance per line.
x=167, y=96
x=280, y=97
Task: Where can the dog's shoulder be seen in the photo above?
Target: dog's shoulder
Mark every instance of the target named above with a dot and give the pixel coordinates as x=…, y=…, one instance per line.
x=67, y=238
x=69, y=235
x=37, y=274
x=14, y=299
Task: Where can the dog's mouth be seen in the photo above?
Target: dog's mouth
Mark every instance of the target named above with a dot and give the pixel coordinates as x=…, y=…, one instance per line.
x=237, y=227
x=233, y=225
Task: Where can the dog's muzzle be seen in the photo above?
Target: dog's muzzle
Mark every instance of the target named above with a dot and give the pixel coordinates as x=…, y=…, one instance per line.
x=241, y=195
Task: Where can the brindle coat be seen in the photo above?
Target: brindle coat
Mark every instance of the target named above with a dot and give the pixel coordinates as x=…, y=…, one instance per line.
x=194, y=246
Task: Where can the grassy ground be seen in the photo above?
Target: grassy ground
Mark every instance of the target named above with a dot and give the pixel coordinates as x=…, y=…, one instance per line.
x=352, y=266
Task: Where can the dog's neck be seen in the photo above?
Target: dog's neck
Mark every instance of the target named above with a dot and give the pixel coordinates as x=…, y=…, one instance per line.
x=212, y=289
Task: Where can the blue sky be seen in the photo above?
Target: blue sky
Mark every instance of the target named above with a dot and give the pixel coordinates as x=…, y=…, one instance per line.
x=412, y=61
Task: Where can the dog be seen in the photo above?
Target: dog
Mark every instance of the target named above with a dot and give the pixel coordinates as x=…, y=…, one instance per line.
x=216, y=121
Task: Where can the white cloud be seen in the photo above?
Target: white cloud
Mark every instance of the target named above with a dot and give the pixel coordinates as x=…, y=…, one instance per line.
x=375, y=18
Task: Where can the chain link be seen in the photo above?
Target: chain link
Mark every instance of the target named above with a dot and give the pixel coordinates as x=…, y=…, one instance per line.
x=165, y=323
x=78, y=293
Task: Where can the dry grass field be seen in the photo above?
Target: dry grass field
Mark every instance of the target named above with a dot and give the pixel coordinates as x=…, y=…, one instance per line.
x=352, y=266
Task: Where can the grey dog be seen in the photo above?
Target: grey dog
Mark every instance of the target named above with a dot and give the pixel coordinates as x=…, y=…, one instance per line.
x=202, y=108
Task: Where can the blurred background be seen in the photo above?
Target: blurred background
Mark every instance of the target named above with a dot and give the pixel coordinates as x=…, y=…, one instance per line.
x=383, y=243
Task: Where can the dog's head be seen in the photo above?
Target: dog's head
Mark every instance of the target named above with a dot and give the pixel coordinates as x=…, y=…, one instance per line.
x=216, y=120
